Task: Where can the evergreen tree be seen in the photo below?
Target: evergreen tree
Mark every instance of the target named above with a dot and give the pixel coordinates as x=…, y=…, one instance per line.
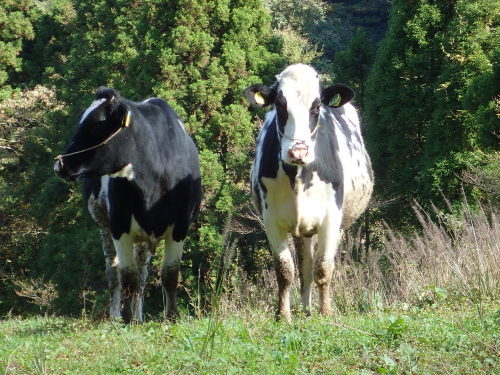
x=15, y=27
x=421, y=133
x=352, y=65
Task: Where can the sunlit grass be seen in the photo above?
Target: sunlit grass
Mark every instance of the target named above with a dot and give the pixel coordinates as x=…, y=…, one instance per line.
x=437, y=341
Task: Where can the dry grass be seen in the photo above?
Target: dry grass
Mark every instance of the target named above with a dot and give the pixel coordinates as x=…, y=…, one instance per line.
x=452, y=258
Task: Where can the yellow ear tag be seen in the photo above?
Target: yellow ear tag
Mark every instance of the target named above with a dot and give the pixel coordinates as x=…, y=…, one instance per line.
x=127, y=120
x=335, y=100
x=259, y=99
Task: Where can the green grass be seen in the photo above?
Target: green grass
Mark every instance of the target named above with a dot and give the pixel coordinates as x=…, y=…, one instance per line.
x=444, y=340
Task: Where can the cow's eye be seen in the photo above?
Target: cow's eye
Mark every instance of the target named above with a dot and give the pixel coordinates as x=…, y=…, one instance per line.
x=315, y=107
x=315, y=110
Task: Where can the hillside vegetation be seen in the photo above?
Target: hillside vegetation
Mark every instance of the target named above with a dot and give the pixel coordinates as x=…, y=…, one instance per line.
x=416, y=286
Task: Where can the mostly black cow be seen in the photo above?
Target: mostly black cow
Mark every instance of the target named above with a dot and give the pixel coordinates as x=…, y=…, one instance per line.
x=311, y=175
x=142, y=184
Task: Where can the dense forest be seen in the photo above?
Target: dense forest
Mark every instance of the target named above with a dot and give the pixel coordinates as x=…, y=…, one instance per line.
x=425, y=72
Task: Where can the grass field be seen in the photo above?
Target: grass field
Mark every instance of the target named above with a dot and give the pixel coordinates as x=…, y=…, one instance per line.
x=435, y=340
x=426, y=304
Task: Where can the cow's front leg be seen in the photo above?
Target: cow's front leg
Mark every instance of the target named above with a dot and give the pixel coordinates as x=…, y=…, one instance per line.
x=112, y=274
x=283, y=264
x=170, y=273
x=129, y=275
x=328, y=237
x=143, y=257
x=304, y=250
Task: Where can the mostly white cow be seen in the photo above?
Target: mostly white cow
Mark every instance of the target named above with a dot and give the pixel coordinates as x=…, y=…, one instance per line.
x=142, y=184
x=311, y=176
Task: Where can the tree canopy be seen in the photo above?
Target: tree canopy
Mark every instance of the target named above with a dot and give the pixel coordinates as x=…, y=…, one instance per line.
x=432, y=100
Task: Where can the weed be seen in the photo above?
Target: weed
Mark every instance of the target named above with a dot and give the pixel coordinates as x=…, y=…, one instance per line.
x=37, y=292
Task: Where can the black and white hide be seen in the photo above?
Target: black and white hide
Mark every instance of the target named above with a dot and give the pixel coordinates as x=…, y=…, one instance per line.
x=311, y=177
x=142, y=184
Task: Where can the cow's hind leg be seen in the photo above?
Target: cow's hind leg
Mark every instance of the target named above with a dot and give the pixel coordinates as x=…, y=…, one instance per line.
x=170, y=273
x=283, y=264
x=328, y=238
x=129, y=275
x=142, y=256
x=112, y=274
x=304, y=250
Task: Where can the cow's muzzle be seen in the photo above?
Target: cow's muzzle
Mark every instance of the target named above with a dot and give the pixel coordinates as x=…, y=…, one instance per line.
x=298, y=153
x=62, y=172
x=58, y=167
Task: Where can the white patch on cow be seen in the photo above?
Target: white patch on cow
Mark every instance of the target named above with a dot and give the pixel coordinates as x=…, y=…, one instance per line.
x=125, y=250
x=124, y=245
x=300, y=211
x=181, y=124
x=313, y=204
x=173, y=249
x=126, y=172
x=94, y=105
x=300, y=86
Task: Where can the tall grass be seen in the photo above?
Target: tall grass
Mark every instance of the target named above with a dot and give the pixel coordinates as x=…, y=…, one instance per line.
x=451, y=258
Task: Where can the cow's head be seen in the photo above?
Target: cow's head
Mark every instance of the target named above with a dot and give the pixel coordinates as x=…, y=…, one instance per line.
x=297, y=96
x=97, y=146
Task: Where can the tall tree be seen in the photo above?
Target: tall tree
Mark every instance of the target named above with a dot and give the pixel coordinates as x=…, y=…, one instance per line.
x=421, y=132
x=352, y=65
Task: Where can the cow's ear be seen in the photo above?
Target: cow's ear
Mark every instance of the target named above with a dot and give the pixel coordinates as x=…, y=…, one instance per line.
x=337, y=95
x=260, y=95
x=123, y=114
x=112, y=97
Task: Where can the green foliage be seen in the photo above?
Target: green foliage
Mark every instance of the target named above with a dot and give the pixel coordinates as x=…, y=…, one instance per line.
x=15, y=27
x=46, y=54
x=309, y=32
x=353, y=64
x=429, y=102
x=44, y=232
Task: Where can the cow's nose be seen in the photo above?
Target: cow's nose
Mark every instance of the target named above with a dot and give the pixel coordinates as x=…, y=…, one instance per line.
x=298, y=153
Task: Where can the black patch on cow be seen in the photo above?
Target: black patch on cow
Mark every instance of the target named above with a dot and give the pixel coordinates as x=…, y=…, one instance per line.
x=291, y=172
x=281, y=111
x=270, y=149
x=91, y=186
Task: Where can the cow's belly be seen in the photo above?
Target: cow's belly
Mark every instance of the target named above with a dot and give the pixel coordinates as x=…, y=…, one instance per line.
x=301, y=212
